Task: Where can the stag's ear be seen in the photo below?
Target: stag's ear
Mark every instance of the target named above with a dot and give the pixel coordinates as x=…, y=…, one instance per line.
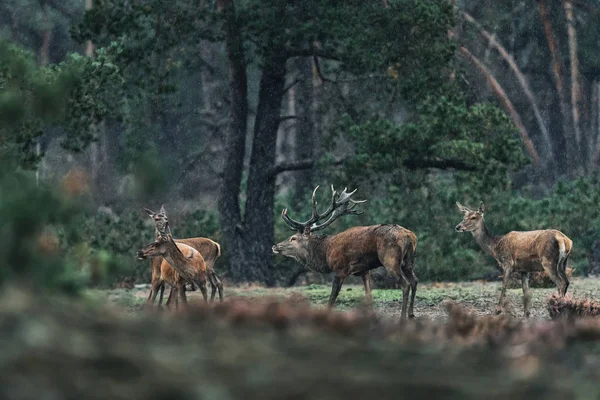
x=162, y=210
x=306, y=231
x=462, y=208
x=481, y=207
x=150, y=212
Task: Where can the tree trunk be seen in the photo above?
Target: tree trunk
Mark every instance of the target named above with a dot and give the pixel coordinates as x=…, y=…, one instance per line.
x=566, y=156
x=575, y=94
x=229, y=206
x=259, y=211
x=305, y=131
x=508, y=106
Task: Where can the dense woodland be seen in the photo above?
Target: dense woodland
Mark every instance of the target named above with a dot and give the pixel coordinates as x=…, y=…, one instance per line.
x=227, y=112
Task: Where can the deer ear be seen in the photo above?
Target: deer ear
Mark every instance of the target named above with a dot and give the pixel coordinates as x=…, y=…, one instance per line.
x=162, y=210
x=481, y=208
x=149, y=212
x=462, y=208
x=306, y=230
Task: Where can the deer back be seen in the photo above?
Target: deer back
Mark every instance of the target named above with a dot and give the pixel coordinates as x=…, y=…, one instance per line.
x=521, y=245
x=369, y=242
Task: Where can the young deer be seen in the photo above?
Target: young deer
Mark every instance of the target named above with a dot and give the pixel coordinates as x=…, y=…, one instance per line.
x=210, y=251
x=187, y=263
x=354, y=251
x=521, y=251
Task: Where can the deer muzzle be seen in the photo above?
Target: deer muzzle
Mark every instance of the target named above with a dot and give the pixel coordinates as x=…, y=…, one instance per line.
x=141, y=255
x=275, y=249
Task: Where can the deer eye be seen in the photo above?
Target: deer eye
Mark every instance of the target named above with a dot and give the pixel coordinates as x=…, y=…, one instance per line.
x=293, y=238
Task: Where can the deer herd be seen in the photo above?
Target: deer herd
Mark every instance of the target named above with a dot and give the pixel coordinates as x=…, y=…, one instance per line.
x=355, y=251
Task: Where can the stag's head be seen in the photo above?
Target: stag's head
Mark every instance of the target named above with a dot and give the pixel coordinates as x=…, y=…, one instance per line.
x=297, y=245
x=163, y=235
x=472, y=220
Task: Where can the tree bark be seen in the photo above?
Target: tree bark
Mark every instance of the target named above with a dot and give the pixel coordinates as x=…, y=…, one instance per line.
x=305, y=130
x=229, y=203
x=508, y=106
x=520, y=77
x=575, y=93
x=568, y=155
x=259, y=214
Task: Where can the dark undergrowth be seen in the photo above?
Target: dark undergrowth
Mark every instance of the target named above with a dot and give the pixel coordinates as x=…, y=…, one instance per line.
x=568, y=307
x=266, y=349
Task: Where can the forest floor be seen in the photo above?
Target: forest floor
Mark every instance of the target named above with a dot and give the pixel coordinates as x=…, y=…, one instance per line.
x=479, y=296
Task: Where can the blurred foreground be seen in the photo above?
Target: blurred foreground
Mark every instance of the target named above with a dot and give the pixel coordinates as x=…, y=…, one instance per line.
x=266, y=349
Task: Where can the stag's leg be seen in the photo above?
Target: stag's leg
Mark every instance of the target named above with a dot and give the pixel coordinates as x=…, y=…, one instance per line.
x=526, y=293
x=367, y=283
x=336, y=285
x=507, y=268
x=392, y=261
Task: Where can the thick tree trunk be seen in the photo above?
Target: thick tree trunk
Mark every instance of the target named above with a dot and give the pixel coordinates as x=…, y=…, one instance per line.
x=259, y=211
x=229, y=202
x=568, y=153
x=305, y=131
x=575, y=92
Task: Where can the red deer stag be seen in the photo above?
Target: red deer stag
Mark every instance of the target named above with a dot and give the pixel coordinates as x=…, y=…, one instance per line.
x=354, y=251
x=210, y=251
x=522, y=252
x=187, y=263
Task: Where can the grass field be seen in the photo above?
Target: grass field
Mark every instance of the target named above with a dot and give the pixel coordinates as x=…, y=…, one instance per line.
x=480, y=297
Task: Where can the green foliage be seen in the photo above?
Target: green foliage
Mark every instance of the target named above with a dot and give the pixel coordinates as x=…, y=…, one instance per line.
x=118, y=237
x=34, y=218
x=76, y=94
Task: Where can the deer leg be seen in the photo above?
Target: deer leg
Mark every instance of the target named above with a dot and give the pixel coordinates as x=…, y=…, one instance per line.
x=182, y=295
x=367, y=283
x=156, y=285
x=526, y=293
x=170, y=298
x=336, y=285
x=213, y=286
x=561, y=268
x=202, y=286
x=507, y=271
x=552, y=272
x=162, y=292
x=412, y=278
x=219, y=285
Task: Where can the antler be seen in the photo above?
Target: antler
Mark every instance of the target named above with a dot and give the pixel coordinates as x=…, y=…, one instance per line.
x=339, y=206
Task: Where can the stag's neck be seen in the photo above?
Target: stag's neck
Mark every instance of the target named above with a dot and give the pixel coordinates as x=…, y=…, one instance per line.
x=317, y=255
x=486, y=240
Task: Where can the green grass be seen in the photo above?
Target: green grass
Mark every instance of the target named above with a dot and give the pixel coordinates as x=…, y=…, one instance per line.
x=480, y=296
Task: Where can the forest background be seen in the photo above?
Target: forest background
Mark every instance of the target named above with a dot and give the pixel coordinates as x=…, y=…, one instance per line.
x=227, y=112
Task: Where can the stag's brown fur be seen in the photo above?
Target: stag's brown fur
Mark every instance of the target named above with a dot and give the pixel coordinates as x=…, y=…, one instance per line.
x=210, y=251
x=521, y=251
x=356, y=251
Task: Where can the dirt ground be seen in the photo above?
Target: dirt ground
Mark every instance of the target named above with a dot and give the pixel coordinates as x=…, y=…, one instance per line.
x=481, y=297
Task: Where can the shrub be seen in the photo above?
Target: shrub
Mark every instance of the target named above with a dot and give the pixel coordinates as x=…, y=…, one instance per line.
x=567, y=307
